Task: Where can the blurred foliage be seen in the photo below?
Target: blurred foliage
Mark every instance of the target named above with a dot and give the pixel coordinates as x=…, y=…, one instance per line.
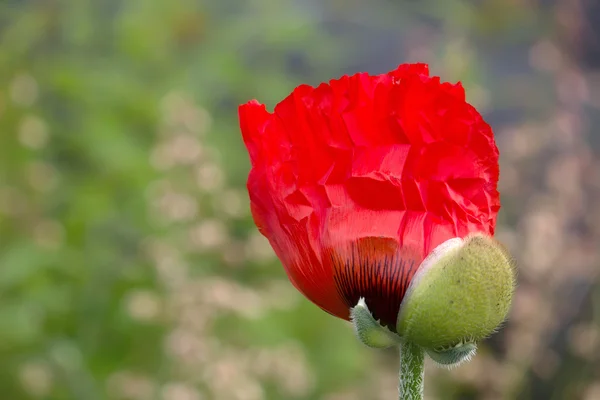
x=129, y=264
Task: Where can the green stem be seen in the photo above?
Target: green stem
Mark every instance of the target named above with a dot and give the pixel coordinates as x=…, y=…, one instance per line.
x=412, y=371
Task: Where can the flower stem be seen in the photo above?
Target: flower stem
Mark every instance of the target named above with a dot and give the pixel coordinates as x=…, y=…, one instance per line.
x=412, y=371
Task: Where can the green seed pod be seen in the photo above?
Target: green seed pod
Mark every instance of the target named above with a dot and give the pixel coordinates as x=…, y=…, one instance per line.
x=461, y=294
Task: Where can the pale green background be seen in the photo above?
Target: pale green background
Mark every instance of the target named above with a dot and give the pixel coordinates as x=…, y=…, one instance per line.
x=129, y=265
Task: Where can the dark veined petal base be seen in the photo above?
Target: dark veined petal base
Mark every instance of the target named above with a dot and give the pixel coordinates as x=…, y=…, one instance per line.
x=376, y=269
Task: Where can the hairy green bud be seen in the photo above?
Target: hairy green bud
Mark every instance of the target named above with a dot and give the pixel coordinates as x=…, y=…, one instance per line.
x=461, y=294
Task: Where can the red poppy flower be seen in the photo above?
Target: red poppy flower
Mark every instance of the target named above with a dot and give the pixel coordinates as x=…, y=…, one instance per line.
x=354, y=182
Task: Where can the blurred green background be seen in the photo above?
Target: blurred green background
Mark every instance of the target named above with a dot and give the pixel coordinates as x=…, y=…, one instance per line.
x=129, y=265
